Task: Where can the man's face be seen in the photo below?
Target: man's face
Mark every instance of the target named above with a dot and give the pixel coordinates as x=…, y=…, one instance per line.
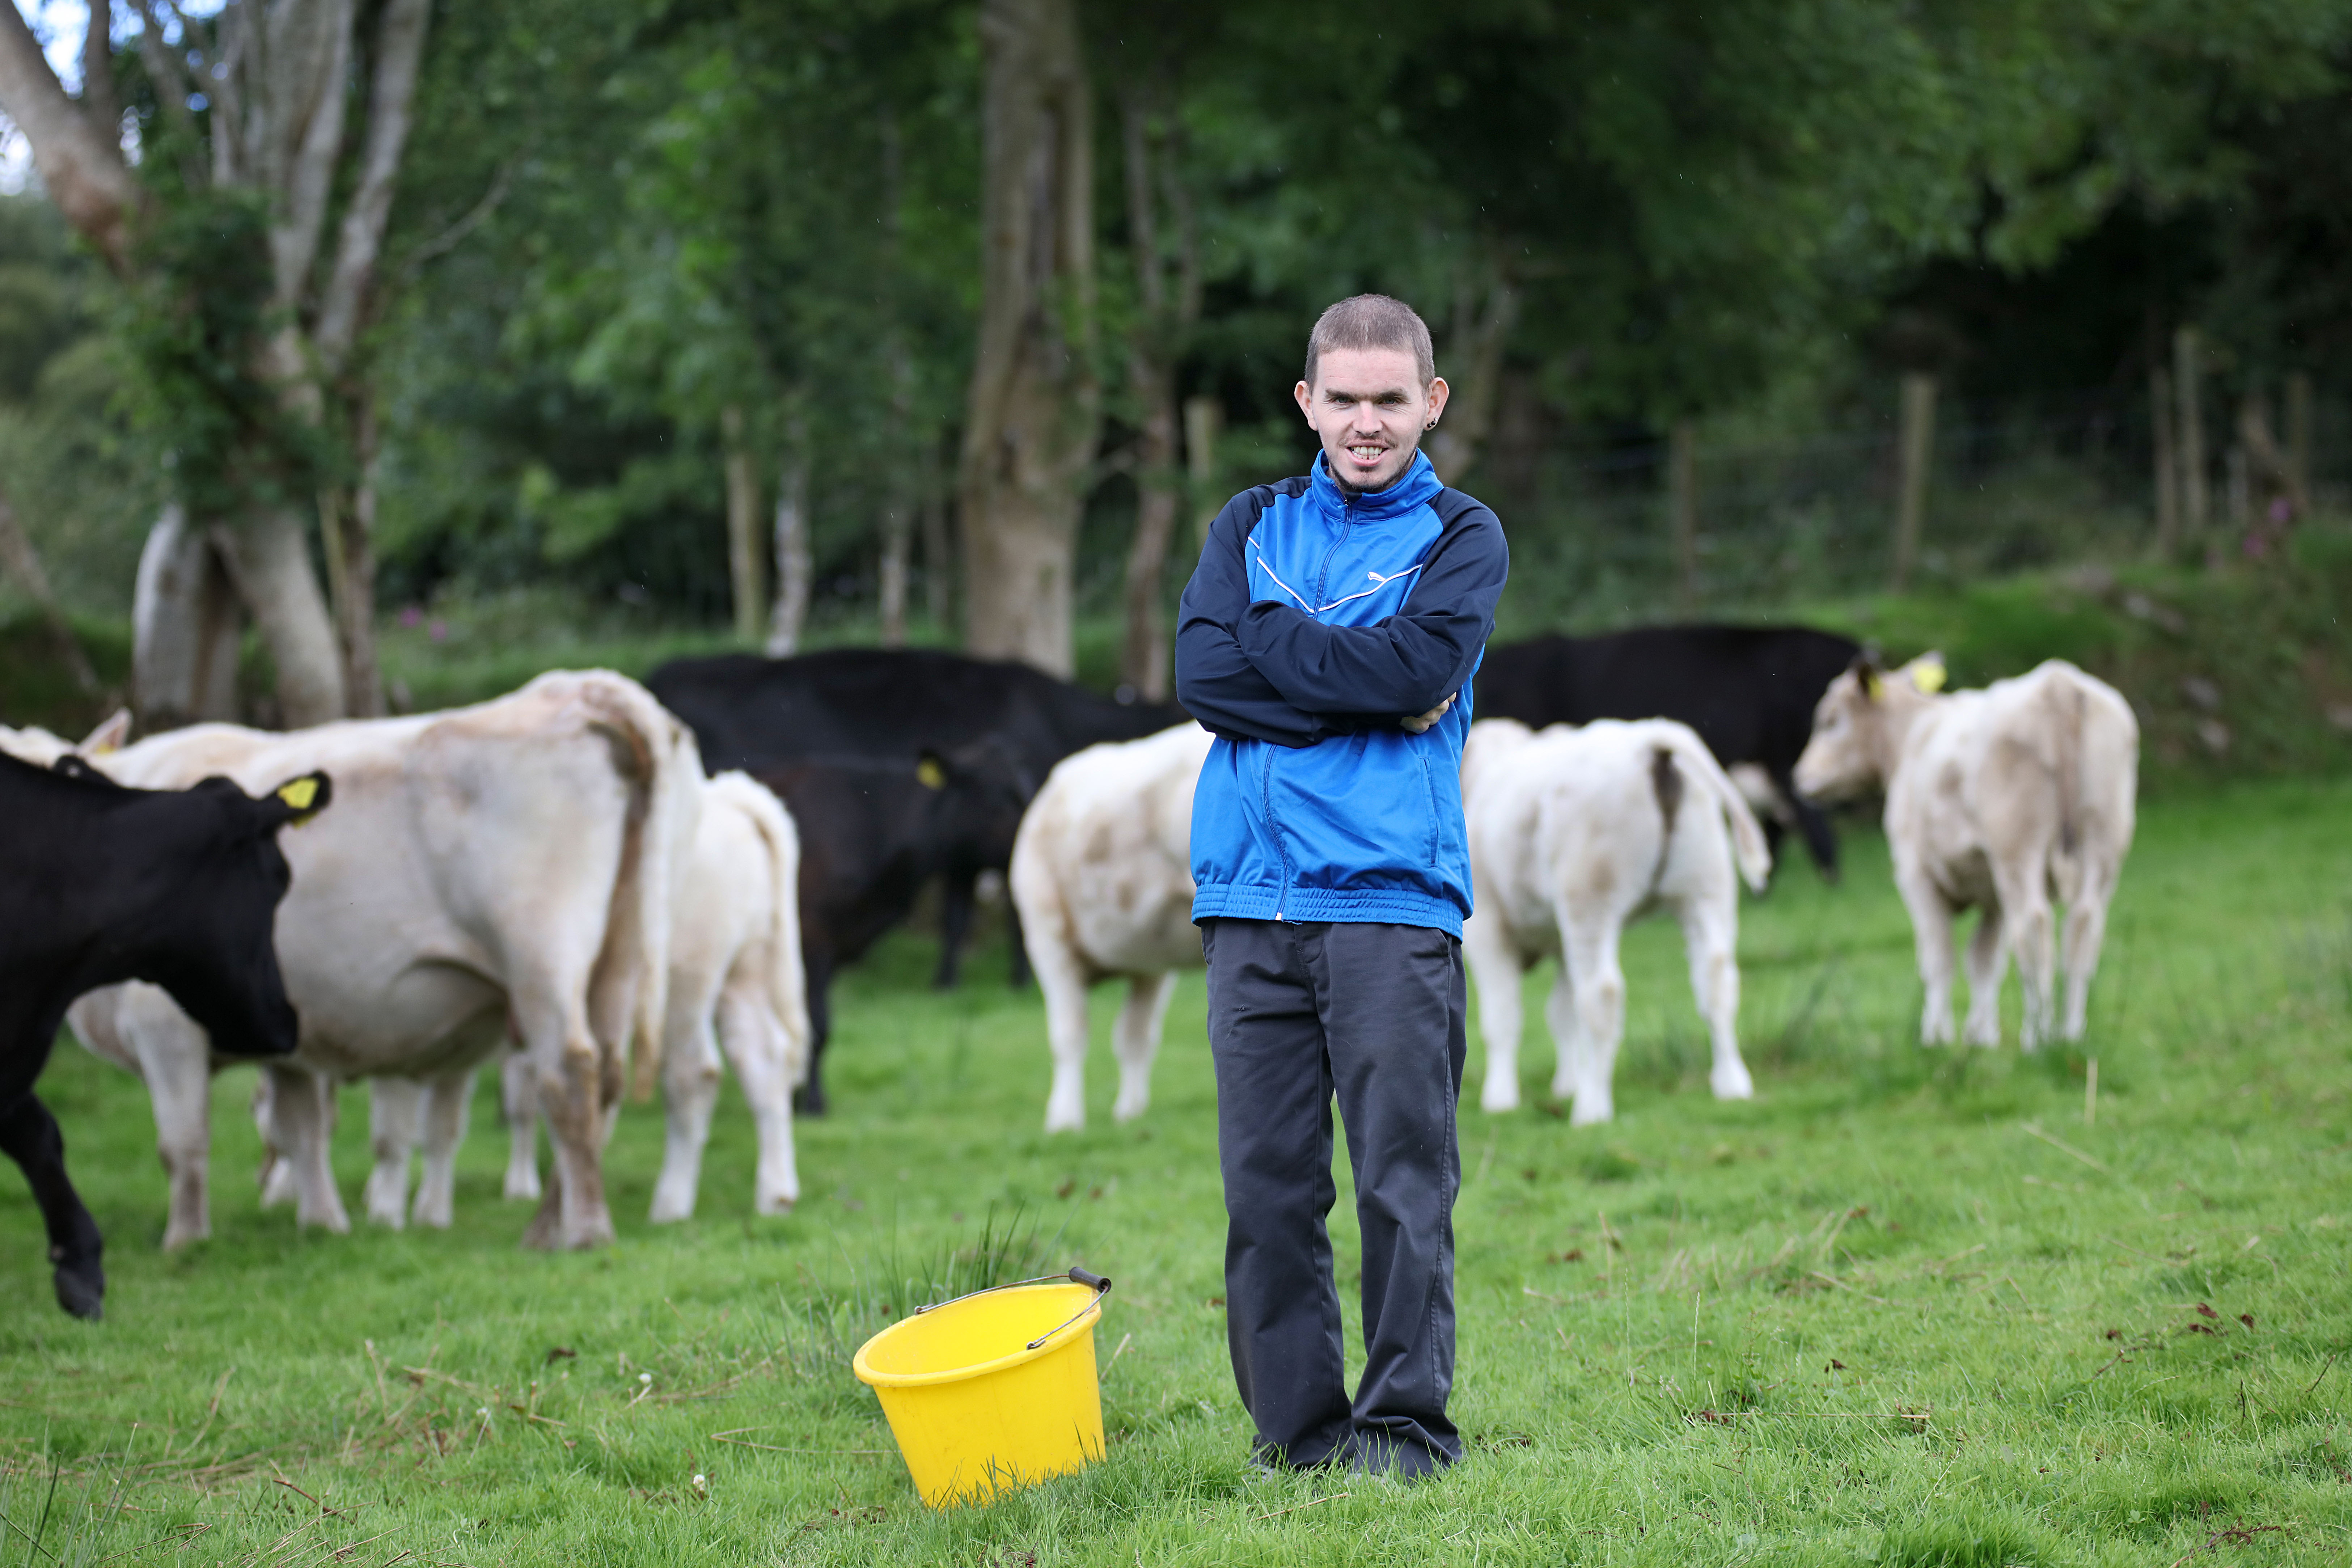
x=1370, y=408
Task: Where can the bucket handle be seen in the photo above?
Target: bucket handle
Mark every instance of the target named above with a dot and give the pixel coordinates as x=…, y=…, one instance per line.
x=1076, y=1276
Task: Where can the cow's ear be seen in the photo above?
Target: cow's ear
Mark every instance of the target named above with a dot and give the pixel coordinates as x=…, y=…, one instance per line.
x=1865, y=672
x=931, y=769
x=297, y=801
x=110, y=736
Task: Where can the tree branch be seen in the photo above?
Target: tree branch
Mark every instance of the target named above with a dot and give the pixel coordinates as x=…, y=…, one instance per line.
x=399, y=52
x=450, y=238
x=81, y=168
x=98, y=104
x=167, y=67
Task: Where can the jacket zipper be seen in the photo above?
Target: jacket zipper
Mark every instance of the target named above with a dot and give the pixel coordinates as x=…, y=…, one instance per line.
x=1322, y=575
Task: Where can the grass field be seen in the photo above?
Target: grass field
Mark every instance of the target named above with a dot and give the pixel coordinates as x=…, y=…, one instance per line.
x=1906, y=1308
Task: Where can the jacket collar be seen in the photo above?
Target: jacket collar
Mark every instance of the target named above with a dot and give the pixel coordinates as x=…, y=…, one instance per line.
x=1417, y=486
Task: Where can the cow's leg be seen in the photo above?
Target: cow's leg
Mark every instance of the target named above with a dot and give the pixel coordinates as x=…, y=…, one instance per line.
x=1711, y=943
x=1820, y=838
x=519, y=1097
x=957, y=898
x=1135, y=1039
x=569, y=1071
x=2025, y=894
x=690, y=1092
x=276, y=1176
x=1988, y=964
x=1567, y=1033
x=1062, y=976
x=1494, y=970
x=29, y=1135
x=174, y=1059
x=756, y=1049
x=301, y=1122
x=1589, y=943
x=1931, y=936
x=816, y=964
x=395, y=1122
x=2087, y=932
x=447, y=1100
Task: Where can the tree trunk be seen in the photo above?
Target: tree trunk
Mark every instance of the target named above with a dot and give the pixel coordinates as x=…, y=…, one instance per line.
x=1203, y=417
x=2167, y=461
x=183, y=629
x=268, y=562
x=899, y=500
x=1682, y=507
x=1151, y=382
x=1474, y=355
x=347, y=534
x=1035, y=411
x=745, y=574
x=2188, y=433
x=795, y=562
x=939, y=550
x=1917, y=452
x=23, y=562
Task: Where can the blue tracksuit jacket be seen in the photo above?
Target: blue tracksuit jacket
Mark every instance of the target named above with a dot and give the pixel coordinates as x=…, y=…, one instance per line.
x=1316, y=621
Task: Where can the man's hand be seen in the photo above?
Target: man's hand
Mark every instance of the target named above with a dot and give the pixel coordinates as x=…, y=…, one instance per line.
x=1420, y=722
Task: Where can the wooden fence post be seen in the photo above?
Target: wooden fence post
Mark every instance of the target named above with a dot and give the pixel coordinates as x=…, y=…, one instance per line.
x=2298, y=435
x=2189, y=433
x=2167, y=461
x=1682, y=510
x=1918, y=450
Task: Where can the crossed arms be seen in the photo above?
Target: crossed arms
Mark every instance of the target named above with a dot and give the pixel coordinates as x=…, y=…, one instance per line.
x=1268, y=671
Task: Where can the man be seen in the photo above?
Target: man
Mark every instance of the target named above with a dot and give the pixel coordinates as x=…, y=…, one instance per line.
x=1328, y=639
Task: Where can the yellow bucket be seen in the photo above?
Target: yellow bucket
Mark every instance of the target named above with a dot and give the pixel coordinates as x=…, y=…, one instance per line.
x=993, y=1390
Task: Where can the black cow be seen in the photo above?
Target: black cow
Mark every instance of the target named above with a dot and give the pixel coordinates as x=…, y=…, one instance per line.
x=889, y=705
x=1749, y=691
x=872, y=834
x=101, y=884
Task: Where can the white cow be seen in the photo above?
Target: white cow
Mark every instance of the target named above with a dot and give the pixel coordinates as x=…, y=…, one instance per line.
x=735, y=981
x=1574, y=832
x=1996, y=799
x=514, y=860
x=1102, y=874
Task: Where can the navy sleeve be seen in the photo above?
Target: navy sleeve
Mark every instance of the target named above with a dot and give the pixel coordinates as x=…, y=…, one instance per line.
x=1216, y=684
x=1405, y=665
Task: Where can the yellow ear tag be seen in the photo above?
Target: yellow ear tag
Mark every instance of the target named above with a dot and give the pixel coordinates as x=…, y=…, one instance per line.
x=1929, y=678
x=1870, y=684
x=298, y=793
x=932, y=775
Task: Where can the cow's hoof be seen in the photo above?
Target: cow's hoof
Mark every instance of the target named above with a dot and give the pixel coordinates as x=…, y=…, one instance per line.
x=777, y=1207
x=1733, y=1086
x=809, y=1100
x=1499, y=1102
x=1587, y=1112
x=82, y=1293
x=521, y=1189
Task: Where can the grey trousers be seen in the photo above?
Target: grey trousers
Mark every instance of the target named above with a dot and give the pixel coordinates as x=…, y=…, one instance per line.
x=1373, y=1013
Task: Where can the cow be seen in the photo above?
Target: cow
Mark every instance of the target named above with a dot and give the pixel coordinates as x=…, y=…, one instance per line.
x=1998, y=800
x=1573, y=833
x=873, y=833
x=513, y=860
x=1102, y=875
x=101, y=884
x=1749, y=691
x=735, y=981
x=889, y=706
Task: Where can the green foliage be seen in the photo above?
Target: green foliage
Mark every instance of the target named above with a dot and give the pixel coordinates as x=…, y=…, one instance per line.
x=195, y=325
x=1852, y=1321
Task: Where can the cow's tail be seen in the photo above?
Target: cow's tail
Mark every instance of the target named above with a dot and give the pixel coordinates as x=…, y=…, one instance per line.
x=787, y=979
x=1748, y=848
x=655, y=856
x=2069, y=706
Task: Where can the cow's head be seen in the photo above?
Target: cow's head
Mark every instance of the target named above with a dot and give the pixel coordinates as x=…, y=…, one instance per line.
x=983, y=787
x=1859, y=723
x=211, y=945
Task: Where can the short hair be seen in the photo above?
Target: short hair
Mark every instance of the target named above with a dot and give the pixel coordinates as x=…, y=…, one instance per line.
x=1372, y=321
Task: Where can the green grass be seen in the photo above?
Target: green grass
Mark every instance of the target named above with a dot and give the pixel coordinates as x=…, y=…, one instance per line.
x=1869, y=1318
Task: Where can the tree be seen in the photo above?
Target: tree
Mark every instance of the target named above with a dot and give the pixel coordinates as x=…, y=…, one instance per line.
x=1033, y=418
x=223, y=233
